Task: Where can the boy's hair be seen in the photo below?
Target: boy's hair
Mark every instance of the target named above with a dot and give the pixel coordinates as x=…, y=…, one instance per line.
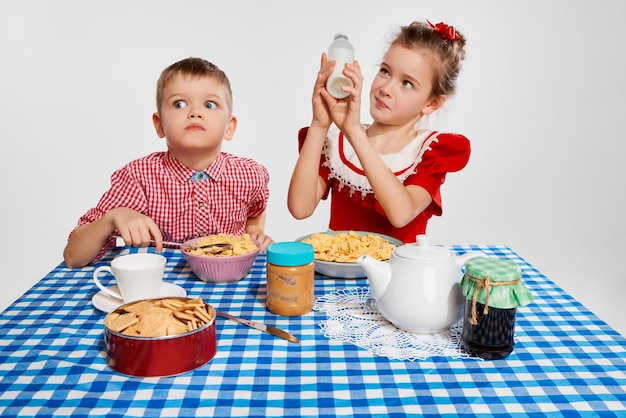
x=193, y=67
x=445, y=54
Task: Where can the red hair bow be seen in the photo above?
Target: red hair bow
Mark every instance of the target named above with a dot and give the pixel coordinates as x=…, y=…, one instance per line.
x=446, y=31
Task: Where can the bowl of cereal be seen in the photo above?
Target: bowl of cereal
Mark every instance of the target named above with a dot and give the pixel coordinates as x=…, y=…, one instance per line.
x=160, y=337
x=336, y=251
x=213, y=262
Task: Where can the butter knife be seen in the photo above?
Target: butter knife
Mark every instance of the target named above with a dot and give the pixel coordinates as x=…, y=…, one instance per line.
x=261, y=327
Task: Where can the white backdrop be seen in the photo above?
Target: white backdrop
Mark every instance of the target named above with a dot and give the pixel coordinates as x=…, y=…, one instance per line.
x=542, y=98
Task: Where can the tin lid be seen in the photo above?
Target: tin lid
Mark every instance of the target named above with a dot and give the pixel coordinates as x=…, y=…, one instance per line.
x=290, y=253
x=499, y=283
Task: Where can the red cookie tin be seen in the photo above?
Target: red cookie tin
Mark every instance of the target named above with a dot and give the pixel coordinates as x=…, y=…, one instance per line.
x=161, y=356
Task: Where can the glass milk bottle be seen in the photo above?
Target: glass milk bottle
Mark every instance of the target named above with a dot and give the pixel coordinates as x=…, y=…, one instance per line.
x=341, y=51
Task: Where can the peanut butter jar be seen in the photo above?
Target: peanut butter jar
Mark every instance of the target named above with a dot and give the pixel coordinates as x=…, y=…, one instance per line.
x=290, y=278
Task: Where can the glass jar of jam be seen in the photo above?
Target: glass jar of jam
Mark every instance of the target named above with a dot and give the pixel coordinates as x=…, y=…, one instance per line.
x=493, y=289
x=290, y=278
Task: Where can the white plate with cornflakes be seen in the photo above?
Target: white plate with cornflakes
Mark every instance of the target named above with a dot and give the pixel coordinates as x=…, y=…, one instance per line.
x=336, y=251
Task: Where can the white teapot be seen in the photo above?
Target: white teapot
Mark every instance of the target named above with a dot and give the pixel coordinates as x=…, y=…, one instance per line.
x=418, y=289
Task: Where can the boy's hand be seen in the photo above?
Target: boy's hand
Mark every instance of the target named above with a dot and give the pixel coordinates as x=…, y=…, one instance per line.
x=87, y=240
x=135, y=228
x=254, y=227
x=263, y=239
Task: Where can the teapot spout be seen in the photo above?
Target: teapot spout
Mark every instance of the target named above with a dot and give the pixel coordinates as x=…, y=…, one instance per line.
x=378, y=274
x=464, y=258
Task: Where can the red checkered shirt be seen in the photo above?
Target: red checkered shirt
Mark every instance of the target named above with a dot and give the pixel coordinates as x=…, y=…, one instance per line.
x=161, y=187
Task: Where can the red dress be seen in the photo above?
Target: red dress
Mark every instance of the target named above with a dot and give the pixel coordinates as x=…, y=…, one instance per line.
x=423, y=162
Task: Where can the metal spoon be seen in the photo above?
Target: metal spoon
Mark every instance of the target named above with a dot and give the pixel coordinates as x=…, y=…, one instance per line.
x=218, y=247
x=212, y=248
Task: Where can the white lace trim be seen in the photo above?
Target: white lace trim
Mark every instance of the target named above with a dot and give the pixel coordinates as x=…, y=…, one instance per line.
x=405, y=161
x=354, y=318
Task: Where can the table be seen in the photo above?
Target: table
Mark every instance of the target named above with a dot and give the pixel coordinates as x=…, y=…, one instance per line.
x=52, y=360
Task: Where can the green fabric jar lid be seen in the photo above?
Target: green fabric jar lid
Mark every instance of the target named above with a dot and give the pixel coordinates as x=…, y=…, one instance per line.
x=499, y=283
x=497, y=269
x=290, y=253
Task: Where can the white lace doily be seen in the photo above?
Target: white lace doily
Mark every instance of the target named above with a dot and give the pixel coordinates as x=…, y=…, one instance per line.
x=354, y=318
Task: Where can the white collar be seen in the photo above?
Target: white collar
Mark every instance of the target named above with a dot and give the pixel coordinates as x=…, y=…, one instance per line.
x=345, y=166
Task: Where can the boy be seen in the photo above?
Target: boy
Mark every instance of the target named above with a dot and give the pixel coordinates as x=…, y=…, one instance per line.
x=192, y=189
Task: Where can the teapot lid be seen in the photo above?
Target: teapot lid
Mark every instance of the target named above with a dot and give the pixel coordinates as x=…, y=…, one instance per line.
x=422, y=250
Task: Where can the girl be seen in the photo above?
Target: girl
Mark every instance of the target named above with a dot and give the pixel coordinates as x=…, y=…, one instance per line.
x=383, y=177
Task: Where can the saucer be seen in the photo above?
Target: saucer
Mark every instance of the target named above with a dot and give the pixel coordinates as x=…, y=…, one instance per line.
x=107, y=303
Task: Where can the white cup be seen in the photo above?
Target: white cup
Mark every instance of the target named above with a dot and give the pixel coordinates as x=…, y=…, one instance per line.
x=138, y=276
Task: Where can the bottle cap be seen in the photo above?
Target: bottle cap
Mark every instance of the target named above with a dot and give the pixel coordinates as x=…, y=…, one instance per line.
x=340, y=35
x=290, y=253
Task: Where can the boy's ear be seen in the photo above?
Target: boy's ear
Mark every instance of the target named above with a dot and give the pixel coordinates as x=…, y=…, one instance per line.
x=231, y=126
x=434, y=104
x=158, y=126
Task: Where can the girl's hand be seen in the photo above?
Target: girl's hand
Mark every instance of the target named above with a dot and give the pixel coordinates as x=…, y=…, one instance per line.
x=346, y=113
x=321, y=114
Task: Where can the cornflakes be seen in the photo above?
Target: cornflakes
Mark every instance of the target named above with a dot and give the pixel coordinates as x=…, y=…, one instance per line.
x=208, y=246
x=346, y=247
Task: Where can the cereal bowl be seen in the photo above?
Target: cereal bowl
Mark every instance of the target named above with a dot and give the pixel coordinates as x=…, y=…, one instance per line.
x=220, y=269
x=344, y=270
x=170, y=349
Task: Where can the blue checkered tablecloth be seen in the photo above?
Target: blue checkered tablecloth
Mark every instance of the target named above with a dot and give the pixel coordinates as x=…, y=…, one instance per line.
x=566, y=362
